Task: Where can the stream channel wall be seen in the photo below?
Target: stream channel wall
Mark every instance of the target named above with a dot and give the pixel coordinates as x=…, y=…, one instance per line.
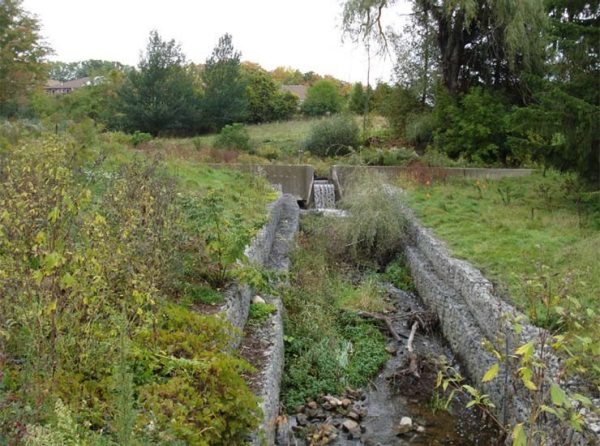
x=469, y=313
x=269, y=249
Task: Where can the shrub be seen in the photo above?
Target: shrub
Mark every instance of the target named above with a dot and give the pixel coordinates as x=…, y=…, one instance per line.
x=200, y=396
x=233, y=136
x=374, y=231
x=476, y=128
x=419, y=129
x=140, y=137
x=269, y=152
x=333, y=136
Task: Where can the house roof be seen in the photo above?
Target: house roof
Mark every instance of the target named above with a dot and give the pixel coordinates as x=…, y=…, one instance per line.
x=298, y=90
x=73, y=84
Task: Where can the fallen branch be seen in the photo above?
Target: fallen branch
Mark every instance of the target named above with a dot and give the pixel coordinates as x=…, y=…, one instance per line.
x=388, y=323
x=413, y=365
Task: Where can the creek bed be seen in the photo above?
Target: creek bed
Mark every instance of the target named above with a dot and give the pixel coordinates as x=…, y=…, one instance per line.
x=374, y=414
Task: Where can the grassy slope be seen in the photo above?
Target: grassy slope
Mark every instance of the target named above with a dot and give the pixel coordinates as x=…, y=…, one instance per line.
x=282, y=134
x=505, y=241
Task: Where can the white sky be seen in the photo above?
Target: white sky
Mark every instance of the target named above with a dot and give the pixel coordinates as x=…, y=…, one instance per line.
x=303, y=34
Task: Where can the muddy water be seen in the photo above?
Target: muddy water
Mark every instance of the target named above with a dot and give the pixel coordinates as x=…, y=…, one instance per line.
x=393, y=395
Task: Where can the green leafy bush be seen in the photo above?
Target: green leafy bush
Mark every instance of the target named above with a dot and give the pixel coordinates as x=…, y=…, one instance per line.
x=140, y=138
x=476, y=128
x=419, y=129
x=196, y=392
x=333, y=136
x=88, y=252
x=233, y=136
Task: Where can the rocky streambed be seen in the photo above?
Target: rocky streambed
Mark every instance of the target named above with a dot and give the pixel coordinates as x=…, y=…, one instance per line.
x=398, y=407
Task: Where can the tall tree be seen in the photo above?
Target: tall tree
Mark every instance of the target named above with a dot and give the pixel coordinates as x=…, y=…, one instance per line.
x=159, y=97
x=22, y=54
x=322, y=98
x=224, y=90
x=562, y=124
x=479, y=41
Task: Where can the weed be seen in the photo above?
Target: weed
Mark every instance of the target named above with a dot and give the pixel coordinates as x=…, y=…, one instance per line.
x=398, y=274
x=259, y=312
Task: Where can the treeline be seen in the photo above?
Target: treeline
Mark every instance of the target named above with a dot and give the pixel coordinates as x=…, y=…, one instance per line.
x=167, y=95
x=493, y=82
x=164, y=95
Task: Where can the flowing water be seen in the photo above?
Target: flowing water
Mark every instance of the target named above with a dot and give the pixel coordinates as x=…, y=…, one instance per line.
x=324, y=194
x=393, y=395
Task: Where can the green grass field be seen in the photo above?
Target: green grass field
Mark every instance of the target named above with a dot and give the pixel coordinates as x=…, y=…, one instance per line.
x=533, y=238
x=510, y=238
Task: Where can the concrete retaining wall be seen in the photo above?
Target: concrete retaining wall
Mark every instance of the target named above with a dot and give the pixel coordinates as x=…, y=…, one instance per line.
x=293, y=179
x=469, y=313
x=343, y=174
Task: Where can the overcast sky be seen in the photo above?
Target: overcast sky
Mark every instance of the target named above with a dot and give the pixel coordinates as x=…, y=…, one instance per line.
x=303, y=34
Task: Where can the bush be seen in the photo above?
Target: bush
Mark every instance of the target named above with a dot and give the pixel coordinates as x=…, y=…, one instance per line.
x=374, y=231
x=233, y=136
x=139, y=138
x=419, y=129
x=333, y=136
x=475, y=128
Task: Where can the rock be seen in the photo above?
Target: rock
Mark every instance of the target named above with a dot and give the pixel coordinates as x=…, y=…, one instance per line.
x=355, y=434
x=420, y=429
x=258, y=300
x=391, y=349
x=333, y=401
x=301, y=419
x=354, y=416
x=404, y=426
x=346, y=402
x=312, y=405
x=350, y=425
x=327, y=406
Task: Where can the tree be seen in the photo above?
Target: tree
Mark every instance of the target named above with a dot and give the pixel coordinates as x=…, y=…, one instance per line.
x=287, y=76
x=66, y=71
x=224, y=90
x=261, y=93
x=159, y=97
x=265, y=100
x=489, y=42
x=361, y=99
x=322, y=98
x=561, y=126
x=22, y=54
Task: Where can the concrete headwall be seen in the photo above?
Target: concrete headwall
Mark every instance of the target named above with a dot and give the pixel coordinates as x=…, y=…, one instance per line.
x=296, y=180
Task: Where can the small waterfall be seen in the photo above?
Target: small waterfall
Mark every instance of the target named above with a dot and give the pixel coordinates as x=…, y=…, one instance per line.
x=324, y=194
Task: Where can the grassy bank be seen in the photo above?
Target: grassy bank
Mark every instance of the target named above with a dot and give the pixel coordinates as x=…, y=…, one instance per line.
x=536, y=237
